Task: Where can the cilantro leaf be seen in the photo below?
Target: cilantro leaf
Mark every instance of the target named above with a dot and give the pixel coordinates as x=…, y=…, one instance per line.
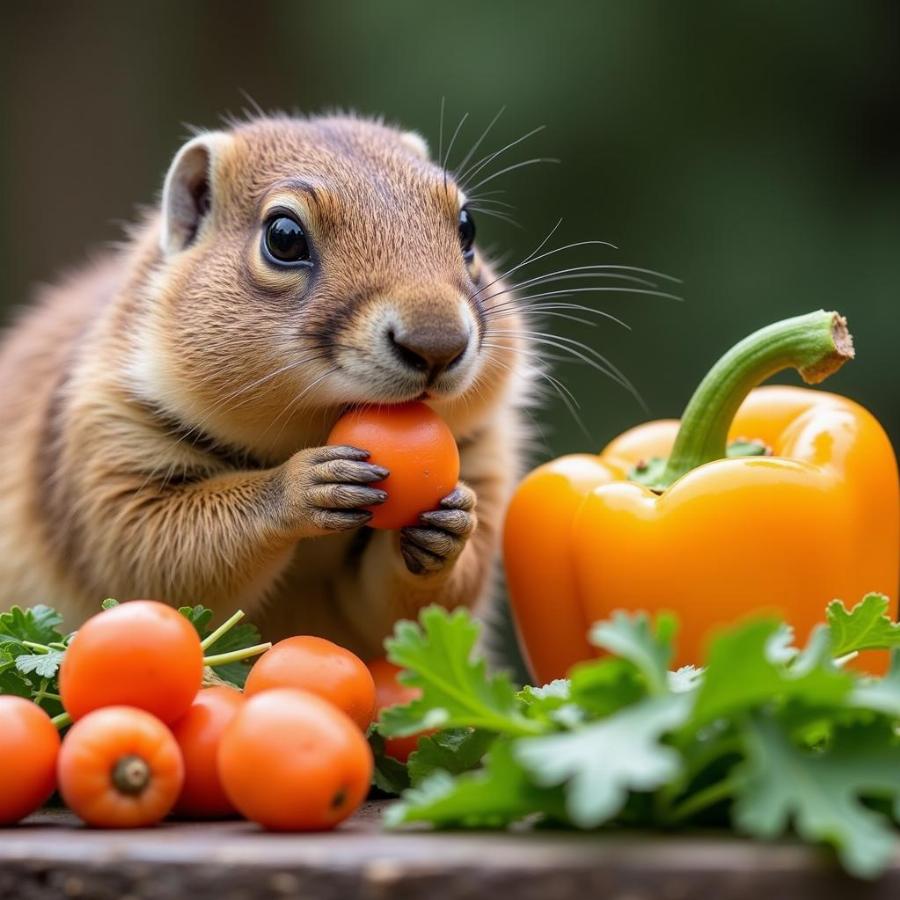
x=820, y=792
x=492, y=797
x=632, y=637
x=865, y=627
x=454, y=750
x=600, y=763
x=46, y=665
x=457, y=691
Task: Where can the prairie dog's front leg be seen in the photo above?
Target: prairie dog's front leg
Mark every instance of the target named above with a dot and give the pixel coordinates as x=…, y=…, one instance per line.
x=223, y=538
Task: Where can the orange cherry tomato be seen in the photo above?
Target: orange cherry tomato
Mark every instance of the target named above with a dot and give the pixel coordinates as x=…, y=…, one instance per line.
x=291, y=761
x=198, y=733
x=120, y=767
x=141, y=653
x=321, y=667
x=415, y=445
x=390, y=692
x=29, y=745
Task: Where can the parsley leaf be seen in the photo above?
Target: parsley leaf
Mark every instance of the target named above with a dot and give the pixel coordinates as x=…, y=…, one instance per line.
x=865, y=627
x=454, y=750
x=631, y=636
x=600, y=763
x=820, y=792
x=491, y=797
x=44, y=664
x=457, y=691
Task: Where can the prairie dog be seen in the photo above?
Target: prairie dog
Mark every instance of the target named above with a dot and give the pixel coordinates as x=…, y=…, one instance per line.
x=164, y=409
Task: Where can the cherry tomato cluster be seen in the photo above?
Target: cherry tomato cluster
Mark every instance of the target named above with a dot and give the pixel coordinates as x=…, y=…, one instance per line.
x=289, y=752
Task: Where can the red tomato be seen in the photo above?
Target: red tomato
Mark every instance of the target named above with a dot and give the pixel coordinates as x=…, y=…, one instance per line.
x=291, y=761
x=29, y=745
x=141, y=653
x=321, y=667
x=390, y=692
x=198, y=733
x=415, y=445
x=120, y=767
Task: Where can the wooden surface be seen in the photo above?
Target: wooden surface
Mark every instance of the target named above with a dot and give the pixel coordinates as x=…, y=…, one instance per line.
x=49, y=856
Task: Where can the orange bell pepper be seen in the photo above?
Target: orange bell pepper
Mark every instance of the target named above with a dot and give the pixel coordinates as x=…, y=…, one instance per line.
x=664, y=519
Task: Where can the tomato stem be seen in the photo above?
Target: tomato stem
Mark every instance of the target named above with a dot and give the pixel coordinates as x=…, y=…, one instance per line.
x=62, y=720
x=222, y=659
x=816, y=345
x=224, y=628
x=131, y=775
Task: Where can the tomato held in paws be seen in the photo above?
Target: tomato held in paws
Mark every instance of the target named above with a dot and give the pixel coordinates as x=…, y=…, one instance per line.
x=291, y=761
x=29, y=745
x=141, y=653
x=415, y=445
x=120, y=767
x=321, y=667
x=198, y=733
x=390, y=692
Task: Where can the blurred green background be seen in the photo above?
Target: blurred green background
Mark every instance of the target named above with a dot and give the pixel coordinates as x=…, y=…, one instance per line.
x=749, y=148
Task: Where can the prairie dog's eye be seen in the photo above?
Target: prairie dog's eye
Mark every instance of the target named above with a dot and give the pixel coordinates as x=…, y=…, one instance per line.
x=466, y=233
x=284, y=241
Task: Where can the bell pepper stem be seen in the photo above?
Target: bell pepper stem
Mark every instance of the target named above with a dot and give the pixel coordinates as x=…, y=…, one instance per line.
x=816, y=345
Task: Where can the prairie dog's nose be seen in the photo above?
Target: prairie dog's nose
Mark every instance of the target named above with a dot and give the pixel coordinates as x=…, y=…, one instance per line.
x=429, y=349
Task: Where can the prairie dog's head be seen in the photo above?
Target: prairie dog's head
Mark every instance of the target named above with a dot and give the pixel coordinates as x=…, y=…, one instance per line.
x=305, y=265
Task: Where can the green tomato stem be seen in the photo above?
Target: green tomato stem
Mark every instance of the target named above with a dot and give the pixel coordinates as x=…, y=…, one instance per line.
x=62, y=720
x=224, y=628
x=816, y=345
x=222, y=659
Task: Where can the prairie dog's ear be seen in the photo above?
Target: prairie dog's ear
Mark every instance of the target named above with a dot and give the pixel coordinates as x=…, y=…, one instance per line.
x=417, y=144
x=187, y=192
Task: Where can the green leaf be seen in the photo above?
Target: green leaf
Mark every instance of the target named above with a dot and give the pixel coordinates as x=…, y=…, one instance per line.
x=11, y=682
x=46, y=665
x=199, y=616
x=820, y=792
x=453, y=751
x=388, y=774
x=866, y=627
x=492, y=797
x=741, y=674
x=38, y=624
x=456, y=690
x=881, y=695
x=601, y=687
x=602, y=762
x=109, y=603
x=632, y=637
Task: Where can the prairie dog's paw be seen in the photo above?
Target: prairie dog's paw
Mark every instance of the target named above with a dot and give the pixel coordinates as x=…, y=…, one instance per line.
x=437, y=542
x=329, y=487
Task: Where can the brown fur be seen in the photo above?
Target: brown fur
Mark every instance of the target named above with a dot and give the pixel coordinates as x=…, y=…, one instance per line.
x=164, y=409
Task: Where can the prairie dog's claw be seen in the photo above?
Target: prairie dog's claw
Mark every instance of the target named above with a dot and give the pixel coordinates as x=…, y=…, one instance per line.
x=432, y=546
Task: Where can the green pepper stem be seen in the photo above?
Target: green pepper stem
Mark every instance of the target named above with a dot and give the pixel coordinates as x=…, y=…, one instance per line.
x=222, y=659
x=815, y=345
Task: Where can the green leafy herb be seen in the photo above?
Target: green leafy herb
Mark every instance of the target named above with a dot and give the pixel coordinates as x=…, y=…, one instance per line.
x=865, y=627
x=456, y=690
x=766, y=738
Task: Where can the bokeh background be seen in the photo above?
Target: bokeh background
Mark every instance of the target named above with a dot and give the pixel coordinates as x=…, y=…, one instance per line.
x=751, y=149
